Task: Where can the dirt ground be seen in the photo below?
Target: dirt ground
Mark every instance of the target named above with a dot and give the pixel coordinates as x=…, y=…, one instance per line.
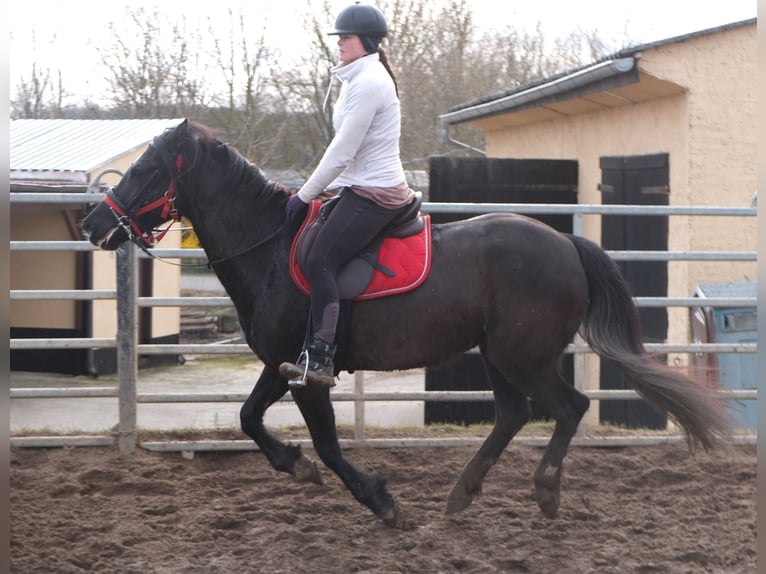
x=630, y=509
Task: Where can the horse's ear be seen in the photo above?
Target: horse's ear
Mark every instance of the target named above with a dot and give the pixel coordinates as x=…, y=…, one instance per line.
x=177, y=135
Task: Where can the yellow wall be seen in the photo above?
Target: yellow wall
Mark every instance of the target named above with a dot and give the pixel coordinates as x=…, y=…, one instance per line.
x=721, y=160
x=709, y=133
x=167, y=283
x=42, y=269
x=104, y=278
x=58, y=270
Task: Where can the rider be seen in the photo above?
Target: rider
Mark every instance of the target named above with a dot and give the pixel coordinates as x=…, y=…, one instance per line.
x=362, y=161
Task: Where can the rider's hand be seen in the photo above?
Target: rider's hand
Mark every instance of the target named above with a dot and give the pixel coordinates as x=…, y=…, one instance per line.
x=295, y=209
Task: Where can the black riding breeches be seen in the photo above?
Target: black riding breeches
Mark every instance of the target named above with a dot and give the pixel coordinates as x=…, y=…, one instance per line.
x=353, y=223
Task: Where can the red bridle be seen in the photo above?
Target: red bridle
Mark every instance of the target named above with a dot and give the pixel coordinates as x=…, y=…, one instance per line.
x=166, y=203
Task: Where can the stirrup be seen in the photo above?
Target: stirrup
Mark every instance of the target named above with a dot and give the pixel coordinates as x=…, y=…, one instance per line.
x=299, y=375
x=289, y=370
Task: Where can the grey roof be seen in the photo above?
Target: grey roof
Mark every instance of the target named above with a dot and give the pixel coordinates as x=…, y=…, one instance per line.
x=476, y=108
x=68, y=150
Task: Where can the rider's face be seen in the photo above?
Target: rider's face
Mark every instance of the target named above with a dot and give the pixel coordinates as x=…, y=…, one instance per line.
x=350, y=48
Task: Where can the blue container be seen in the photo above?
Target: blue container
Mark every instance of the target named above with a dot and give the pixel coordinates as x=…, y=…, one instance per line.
x=732, y=325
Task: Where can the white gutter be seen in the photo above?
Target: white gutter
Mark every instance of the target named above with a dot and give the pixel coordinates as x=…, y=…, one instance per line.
x=48, y=175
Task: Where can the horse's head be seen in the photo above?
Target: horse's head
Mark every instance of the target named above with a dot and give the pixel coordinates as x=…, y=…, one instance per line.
x=143, y=199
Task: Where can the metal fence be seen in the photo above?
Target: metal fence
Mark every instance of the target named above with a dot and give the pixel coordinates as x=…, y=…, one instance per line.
x=128, y=348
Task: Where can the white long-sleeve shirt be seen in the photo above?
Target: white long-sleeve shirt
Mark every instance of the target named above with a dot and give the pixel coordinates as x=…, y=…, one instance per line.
x=367, y=121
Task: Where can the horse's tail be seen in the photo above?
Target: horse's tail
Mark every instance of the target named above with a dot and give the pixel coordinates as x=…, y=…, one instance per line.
x=612, y=329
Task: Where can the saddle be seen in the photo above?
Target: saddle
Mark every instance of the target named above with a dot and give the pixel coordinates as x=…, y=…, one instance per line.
x=396, y=261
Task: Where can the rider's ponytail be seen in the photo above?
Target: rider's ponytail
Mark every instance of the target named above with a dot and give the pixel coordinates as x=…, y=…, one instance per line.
x=384, y=61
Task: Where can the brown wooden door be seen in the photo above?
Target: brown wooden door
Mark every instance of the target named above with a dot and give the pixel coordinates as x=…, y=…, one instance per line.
x=636, y=180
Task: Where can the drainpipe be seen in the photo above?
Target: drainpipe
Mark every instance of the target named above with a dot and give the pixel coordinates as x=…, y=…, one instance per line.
x=450, y=140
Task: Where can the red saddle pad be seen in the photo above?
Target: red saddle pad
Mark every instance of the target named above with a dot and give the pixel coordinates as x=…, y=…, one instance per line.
x=408, y=257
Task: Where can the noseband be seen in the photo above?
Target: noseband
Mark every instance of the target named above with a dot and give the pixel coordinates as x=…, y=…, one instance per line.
x=126, y=215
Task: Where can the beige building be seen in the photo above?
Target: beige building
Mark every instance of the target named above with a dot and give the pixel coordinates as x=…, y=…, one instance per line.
x=689, y=102
x=76, y=157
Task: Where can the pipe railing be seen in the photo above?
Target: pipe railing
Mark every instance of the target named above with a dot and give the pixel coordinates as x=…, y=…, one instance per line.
x=128, y=348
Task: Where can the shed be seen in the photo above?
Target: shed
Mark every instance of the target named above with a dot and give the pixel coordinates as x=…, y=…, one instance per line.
x=671, y=122
x=77, y=157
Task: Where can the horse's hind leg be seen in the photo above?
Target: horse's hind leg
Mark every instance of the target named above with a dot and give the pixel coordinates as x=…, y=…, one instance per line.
x=511, y=413
x=284, y=457
x=369, y=489
x=567, y=406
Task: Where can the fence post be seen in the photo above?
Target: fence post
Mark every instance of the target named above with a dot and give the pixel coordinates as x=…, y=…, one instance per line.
x=127, y=344
x=579, y=358
x=359, y=406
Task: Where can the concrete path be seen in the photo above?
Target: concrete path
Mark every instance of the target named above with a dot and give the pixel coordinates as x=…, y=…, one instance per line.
x=198, y=375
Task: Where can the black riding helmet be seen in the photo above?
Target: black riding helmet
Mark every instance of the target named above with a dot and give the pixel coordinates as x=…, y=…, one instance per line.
x=364, y=21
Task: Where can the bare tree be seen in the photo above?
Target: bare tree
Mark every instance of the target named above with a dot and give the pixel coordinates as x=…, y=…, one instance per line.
x=310, y=94
x=445, y=63
x=32, y=99
x=155, y=68
x=440, y=61
x=307, y=115
x=40, y=94
x=242, y=109
x=281, y=116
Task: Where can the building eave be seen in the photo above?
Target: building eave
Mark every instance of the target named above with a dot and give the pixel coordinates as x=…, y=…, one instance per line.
x=615, y=81
x=565, y=87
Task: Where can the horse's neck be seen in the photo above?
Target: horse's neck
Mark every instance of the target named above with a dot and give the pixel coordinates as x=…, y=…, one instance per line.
x=233, y=215
x=243, y=243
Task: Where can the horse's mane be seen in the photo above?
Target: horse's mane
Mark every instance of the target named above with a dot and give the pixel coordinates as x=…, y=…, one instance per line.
x=242, y=174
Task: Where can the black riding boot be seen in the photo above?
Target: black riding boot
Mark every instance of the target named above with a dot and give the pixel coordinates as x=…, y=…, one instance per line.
x=314, y=367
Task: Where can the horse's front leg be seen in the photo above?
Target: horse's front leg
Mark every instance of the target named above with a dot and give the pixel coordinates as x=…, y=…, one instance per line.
x=369, y=489
x=283, y=457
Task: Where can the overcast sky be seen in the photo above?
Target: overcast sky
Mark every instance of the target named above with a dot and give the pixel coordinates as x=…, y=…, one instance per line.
x=77, y=25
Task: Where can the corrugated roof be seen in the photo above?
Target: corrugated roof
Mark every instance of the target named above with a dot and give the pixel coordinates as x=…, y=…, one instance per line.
x=67, y=150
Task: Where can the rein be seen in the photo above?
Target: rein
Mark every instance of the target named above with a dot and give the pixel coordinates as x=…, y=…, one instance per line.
x=210, y=264
x=248, y=249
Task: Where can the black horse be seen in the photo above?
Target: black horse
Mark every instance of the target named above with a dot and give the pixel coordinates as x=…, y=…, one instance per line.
x=511, y=286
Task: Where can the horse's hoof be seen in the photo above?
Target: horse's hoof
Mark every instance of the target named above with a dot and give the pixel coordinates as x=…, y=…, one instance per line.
x=391, y=516
x=548, y=501
x=548, y=490
x=459, y=498
x=306, y=470
x=457, y=504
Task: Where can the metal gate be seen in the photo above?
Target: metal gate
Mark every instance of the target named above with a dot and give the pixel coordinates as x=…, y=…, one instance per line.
x=129, y=304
